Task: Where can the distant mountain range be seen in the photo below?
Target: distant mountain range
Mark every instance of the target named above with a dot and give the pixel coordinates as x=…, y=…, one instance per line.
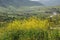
x=50, y=2
x=19, y=3
x=53, y=2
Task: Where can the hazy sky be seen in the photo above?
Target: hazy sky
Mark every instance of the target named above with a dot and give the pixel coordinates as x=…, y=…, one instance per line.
x=39, y=0
x=34, y=0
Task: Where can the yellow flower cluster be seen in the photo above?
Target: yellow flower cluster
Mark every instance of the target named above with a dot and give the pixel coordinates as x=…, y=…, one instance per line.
x=31, y=23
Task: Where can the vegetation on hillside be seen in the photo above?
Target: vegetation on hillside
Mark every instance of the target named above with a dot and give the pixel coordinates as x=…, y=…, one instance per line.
x=29, y=24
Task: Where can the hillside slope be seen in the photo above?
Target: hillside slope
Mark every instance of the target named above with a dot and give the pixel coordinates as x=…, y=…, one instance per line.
x=19, y=3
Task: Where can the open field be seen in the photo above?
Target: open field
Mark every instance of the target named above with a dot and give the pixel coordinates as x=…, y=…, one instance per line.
x=30, y=23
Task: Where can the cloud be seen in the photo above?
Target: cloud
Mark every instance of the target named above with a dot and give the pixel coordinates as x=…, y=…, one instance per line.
x=34, y=0
x=39, y=0
x=44, y=0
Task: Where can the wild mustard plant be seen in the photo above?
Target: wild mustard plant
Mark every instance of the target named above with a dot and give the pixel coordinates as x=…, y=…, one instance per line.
x=28, y=24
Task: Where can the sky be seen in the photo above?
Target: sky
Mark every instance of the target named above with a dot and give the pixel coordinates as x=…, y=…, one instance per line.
x=39, y=0
x=48, y=2
x=34, y=0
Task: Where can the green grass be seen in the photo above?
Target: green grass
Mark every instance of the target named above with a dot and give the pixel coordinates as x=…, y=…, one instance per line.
x=8, y=15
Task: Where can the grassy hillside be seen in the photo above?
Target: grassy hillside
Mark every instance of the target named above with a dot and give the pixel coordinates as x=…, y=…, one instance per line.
x=30, y=23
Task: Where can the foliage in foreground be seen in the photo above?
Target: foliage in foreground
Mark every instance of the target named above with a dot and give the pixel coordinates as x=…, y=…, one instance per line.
x=29, y=29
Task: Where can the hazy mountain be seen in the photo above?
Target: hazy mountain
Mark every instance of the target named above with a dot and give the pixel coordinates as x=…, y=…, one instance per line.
x=51, y=2
x=48, y=2
x=19, y=3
